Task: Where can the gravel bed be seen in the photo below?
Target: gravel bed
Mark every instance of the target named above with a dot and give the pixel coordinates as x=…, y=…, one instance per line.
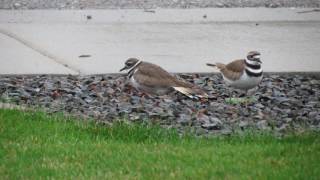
x=148, y=4
x=282, y=104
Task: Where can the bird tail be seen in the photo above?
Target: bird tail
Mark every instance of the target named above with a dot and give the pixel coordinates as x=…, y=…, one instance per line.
x=219, y=66
x=191, y=92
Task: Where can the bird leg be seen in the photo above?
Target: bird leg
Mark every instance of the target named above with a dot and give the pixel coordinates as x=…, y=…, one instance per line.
x=246, y=98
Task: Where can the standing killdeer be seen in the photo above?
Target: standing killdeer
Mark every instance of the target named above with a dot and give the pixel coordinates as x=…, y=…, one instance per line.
x=242, y=74
x=152, y=79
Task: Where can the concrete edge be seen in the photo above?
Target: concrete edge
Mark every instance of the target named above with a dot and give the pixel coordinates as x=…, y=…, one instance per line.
x=313, y=74
x=39, y=50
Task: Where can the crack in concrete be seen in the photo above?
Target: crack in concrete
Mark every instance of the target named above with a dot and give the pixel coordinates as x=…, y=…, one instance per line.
x=43, y=52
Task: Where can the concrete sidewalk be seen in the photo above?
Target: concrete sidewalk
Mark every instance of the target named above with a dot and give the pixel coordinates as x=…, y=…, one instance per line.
x=51, y=41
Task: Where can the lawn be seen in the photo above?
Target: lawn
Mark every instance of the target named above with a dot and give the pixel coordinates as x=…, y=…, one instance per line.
x=34, y=145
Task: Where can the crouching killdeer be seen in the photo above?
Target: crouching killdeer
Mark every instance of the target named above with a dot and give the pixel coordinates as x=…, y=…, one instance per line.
x=152, y=79
x=243, y=74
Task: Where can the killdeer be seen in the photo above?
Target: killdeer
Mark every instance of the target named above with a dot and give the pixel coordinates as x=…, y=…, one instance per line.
x=152, y=79
x=243, y=74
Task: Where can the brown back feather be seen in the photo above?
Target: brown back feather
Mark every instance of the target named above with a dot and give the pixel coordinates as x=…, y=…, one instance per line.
x=154, y=76
x=232, y=70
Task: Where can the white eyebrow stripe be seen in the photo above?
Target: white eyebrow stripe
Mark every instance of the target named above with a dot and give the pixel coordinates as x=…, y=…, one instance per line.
x=256, y=56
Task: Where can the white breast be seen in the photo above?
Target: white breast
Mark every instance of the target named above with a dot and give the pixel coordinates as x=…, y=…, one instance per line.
x=245, y=82
x=133, y=82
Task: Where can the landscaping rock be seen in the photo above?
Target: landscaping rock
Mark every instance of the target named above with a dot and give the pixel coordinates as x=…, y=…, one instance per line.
x=280, y=103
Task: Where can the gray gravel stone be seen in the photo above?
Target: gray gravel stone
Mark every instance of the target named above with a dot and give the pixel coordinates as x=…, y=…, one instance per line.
x=212, y=123
x=263, y=125
x=280, y=102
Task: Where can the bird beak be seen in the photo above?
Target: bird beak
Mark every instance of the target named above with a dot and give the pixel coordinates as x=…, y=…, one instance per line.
x=124, y=68
x=258, y=60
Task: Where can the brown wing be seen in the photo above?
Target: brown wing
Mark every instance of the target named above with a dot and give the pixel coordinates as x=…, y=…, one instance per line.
x=233, y=70
x=152, y=75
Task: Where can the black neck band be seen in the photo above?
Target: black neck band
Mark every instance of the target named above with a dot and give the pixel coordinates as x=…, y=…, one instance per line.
x=253, y=66
x=130, y=73
x=253, y=74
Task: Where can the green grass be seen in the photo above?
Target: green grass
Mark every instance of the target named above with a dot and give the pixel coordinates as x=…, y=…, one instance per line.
x=34, y=145
x=242, y=100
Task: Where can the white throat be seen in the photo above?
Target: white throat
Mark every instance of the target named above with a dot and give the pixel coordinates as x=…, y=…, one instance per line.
x=135, y=65
x=251, y=62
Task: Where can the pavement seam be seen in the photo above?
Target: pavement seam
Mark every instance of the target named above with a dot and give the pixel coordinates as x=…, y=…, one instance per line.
x=43, y=52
